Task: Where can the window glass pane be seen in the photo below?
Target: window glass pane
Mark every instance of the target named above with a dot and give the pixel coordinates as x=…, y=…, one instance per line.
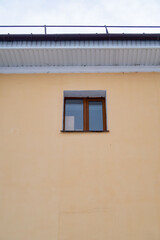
x=95, y=116
x=74, y=114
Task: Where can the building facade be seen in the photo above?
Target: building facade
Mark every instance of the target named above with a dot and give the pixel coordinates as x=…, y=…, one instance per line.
x=88, y=184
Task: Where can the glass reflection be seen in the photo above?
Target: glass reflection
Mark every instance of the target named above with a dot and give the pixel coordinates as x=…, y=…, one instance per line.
x=95, y=116
x=74, y=114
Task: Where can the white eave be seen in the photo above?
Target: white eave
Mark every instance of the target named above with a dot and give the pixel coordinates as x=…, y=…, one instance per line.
x=79, y=56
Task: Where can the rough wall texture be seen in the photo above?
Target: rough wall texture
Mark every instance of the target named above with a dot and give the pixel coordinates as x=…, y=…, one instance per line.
x=79, y=186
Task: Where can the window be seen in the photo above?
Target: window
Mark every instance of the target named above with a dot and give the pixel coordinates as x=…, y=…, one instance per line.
x=83, y=112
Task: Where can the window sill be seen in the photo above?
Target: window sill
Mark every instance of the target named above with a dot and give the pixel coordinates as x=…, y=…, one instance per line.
x=65, y=131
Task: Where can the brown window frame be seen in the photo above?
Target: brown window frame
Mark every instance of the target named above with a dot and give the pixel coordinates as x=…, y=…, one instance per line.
x=86, y=101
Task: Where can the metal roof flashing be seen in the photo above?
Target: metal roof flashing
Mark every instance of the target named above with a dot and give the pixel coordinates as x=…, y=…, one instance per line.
x=80, y=37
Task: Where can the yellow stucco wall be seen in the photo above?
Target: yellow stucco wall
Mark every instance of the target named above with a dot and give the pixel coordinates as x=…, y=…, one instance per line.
x=79, y=186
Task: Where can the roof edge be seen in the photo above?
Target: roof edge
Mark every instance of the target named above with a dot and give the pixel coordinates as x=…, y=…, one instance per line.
x=80, y=37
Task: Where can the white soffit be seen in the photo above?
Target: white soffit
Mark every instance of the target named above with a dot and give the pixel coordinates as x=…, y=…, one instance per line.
x=64, y=55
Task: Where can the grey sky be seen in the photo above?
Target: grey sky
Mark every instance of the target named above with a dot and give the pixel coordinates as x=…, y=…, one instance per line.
x=89, y=12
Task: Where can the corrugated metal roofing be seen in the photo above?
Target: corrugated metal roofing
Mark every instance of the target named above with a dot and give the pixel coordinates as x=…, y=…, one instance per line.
x=79, y=53
x=80, y=44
